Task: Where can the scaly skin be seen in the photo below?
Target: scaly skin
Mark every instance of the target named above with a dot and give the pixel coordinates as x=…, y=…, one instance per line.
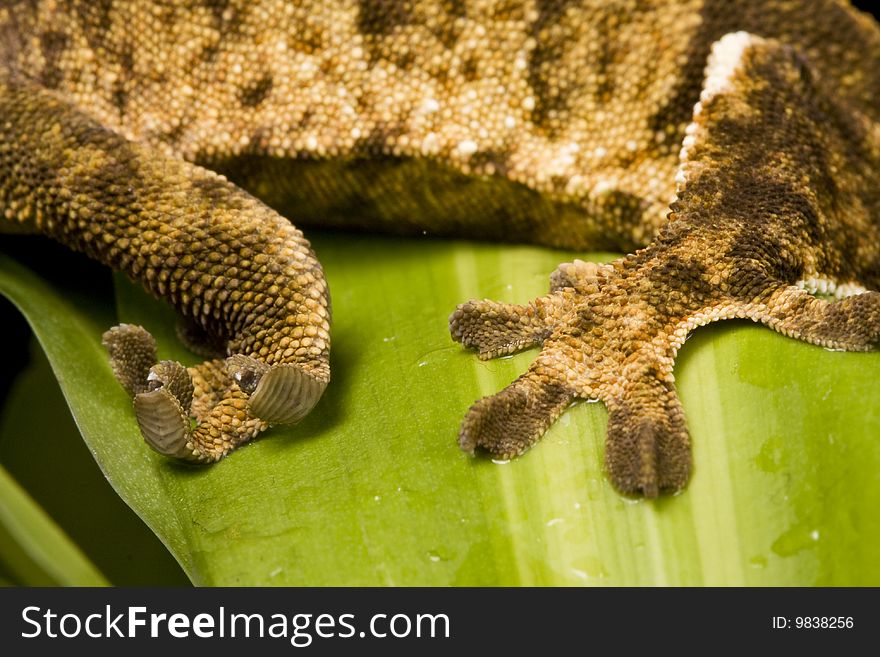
x=561, y=122
x=235, y=269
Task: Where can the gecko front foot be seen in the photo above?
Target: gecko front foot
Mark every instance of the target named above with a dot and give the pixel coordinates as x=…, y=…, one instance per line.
x=613, y=334
x=596, y=344
x=200, y=413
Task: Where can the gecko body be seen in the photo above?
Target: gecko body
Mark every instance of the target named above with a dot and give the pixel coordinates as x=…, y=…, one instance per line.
x=732, y=148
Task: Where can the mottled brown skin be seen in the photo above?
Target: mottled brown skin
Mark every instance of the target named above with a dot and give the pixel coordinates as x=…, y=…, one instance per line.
x=241, y=275
x=567, y=123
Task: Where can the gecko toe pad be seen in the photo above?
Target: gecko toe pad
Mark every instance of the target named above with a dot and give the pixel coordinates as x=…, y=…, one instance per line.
x=164, y=424
x=285, y=394
x=161, y=411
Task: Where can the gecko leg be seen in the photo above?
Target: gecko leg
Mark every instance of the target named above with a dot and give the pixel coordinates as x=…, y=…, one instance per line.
x=246, y=281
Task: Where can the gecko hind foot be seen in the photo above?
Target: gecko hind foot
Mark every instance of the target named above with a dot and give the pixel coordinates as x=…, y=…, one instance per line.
x=200, y=413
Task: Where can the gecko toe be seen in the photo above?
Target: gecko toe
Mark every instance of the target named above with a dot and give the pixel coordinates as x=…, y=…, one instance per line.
x=162, y=410
x=647, y=446
x=851, y=323
x=132, y=353
x=164, y=424
x=496, y=329
x=508, y=423
x=585, y=277
x=279, y=394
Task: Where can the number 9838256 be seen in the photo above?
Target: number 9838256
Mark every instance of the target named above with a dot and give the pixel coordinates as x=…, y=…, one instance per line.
x=823, y=622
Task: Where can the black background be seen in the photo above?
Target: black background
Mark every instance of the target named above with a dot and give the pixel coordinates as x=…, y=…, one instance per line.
x=495, y=621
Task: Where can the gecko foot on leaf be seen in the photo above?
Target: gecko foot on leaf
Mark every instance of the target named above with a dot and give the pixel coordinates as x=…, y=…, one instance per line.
x=599, y=341
x=200, y=413
x=617, y=342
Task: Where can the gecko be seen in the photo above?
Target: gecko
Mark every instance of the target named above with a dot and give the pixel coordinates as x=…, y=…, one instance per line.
x=730, y=148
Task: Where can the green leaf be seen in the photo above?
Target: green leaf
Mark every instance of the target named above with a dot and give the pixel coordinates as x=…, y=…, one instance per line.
x=33, y=549
x=372, y=489
x=41, y=447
